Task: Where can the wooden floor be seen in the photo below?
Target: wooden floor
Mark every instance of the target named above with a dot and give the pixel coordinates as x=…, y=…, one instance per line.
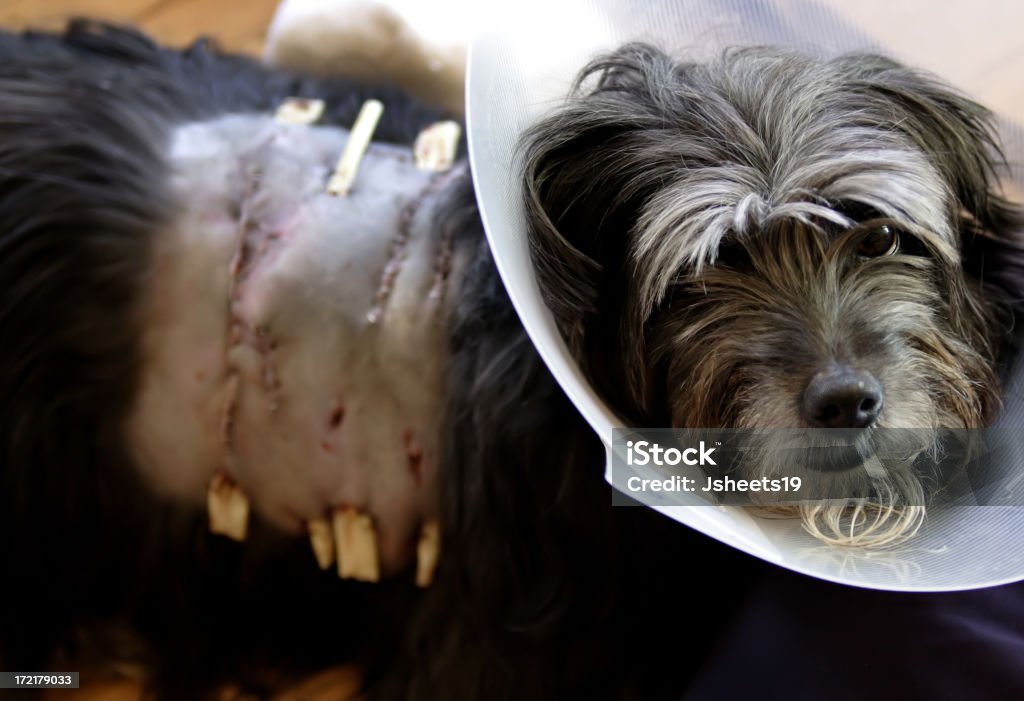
x=238, y=25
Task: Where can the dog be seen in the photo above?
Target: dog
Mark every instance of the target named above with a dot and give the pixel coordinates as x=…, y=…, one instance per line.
x=163, y=233
x=770, y=240
x=188, y=315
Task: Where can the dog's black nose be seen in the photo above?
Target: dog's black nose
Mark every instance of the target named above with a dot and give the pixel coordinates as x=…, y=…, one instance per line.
x=841, y=397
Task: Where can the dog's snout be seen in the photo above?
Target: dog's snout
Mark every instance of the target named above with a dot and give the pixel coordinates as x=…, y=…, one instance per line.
x=841, y=397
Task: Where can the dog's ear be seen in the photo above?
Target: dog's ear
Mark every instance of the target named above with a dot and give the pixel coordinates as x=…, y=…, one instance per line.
x=958, y=136
x=588, y=170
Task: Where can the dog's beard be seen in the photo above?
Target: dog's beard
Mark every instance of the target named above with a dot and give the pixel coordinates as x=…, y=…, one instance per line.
x=868, y=491
x=742, y=338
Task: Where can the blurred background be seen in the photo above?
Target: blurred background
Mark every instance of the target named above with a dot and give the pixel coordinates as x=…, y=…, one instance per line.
x=238, y=25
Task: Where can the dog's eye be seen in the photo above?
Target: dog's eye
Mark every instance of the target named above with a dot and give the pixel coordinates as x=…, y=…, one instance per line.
x=879, y=241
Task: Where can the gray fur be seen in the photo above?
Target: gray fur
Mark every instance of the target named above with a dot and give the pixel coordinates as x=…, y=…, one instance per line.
x=695, y=228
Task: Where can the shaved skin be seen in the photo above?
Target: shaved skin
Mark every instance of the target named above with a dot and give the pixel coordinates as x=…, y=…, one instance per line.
x=294, y=340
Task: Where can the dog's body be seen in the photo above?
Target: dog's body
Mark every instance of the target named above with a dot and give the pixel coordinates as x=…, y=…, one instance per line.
x=541, y=587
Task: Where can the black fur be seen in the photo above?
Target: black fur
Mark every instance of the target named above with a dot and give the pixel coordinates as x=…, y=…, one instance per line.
x=83, y=119
x=544, y=589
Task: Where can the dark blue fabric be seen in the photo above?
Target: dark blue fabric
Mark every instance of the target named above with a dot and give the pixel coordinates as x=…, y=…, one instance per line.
x=798, y=638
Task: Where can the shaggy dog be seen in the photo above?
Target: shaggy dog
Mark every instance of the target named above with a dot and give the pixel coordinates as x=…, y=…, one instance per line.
x=148, y=204
x=773, y=241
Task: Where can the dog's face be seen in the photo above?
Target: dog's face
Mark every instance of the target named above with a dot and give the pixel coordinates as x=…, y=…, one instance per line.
x=771, y=241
